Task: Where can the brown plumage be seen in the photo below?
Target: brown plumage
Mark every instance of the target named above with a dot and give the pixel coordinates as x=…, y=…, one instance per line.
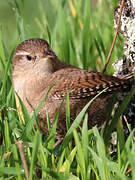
x=36, y=68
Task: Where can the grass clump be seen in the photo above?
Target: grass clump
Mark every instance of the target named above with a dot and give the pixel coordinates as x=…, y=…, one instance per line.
x=78, y=35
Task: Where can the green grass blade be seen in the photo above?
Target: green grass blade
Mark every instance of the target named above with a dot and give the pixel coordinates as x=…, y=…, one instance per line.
x=77, y=121
x=67, y=164
x=37, y=141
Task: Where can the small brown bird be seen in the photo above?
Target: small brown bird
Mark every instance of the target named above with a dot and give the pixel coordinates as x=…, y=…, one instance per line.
x=36, y=68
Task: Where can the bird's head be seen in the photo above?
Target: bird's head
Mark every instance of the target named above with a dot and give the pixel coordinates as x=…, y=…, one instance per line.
x=34, y=55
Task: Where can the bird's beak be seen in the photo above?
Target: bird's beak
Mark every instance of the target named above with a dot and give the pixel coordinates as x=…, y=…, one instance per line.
x=50, y=57
x=50, y=54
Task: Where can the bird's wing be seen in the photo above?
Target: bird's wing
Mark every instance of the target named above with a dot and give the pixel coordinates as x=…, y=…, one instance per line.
x=80, y=83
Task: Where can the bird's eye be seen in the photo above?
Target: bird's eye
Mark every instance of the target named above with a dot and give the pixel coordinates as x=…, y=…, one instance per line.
x=29, y=57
